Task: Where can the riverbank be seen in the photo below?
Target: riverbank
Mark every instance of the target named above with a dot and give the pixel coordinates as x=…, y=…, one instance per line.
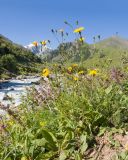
x=12, y=91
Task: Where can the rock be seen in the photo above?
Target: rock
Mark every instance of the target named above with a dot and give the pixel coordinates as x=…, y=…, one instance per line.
x=52, y=76
x=19, y=77
x=6, y=97
x=12, y=89
x=4, y=81
x=46, y=79
x=36, y=83
x=24, y=77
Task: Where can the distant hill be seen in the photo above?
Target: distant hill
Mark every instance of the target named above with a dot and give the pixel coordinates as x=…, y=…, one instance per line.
x=15, y=59
x=113, y=42
x=113, y=49
x=112, y=46
x=70, y=51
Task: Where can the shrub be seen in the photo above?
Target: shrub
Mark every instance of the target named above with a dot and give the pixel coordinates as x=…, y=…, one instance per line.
x=9, y=62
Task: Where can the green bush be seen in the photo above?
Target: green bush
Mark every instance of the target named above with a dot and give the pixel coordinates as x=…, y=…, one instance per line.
x=9, y=62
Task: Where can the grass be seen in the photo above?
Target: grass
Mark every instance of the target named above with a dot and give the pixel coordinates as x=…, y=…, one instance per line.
x=62, y=119
x=73, y=110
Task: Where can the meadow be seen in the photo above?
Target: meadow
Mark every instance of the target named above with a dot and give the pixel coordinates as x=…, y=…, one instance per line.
x=78, y=112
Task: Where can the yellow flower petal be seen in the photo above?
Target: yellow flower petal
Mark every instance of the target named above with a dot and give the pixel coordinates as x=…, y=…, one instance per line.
x=44, y=43
x=42, y=124
x=23, y=158
x=10, y=123
x=74, y=65
x=93, y=72
x=35, y=43
x=45, y=72
x=78, y=30
x=69, y=69
x=81, y=39
x=81, y=72
x=76, y=78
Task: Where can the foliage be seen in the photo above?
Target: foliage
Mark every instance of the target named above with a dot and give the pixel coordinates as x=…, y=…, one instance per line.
x=73, y=106
x=14, y=58
x=64, y=124
x=9, y=62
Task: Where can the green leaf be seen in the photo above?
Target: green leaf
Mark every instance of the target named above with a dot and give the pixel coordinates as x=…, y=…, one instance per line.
x=67, y=139
x=63, y=155
x=102, y=131
x=123, y=155
x=9, y=158
x=39, y=142
x=108, y=90
x=51, y=139
x=84, y=145
x=117, y=144
x=78, y=156
x=46, y=156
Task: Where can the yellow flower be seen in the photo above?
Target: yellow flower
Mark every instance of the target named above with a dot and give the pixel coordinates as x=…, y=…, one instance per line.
x=74, y=65
x=75, y=78
x=69, y=69
x=81, y=72
x=78, y=30
x=81, y=39
x=23, y=158
x=35, y=43
x=44, y=43
x=45, y=72
x=10, y=122
x=93, y=72
x=42, y=124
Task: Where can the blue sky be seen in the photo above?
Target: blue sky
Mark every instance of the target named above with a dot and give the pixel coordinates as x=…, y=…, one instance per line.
x=25, y=21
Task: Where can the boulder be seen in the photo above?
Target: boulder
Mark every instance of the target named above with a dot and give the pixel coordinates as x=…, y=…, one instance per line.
x=6, y=97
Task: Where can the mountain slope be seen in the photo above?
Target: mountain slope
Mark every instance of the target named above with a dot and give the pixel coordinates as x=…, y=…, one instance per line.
x=113, y=42
x=70, y=51
x=39, y=50
x=15, y=59
x=113, y=49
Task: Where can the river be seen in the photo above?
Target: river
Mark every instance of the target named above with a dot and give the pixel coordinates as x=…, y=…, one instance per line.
x=15, y=89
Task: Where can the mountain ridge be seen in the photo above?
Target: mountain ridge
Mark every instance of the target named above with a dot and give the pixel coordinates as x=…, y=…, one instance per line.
x=114, y=42
x=38, y=50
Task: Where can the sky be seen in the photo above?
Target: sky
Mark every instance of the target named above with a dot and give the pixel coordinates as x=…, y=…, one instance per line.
x=25, y=21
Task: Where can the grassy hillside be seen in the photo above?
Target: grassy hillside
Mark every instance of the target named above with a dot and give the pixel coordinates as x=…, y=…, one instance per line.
x=113, y=42
x=75, y=114
x=78, y=112
x=114, y=49
x=14, y=59
x=70, y=51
